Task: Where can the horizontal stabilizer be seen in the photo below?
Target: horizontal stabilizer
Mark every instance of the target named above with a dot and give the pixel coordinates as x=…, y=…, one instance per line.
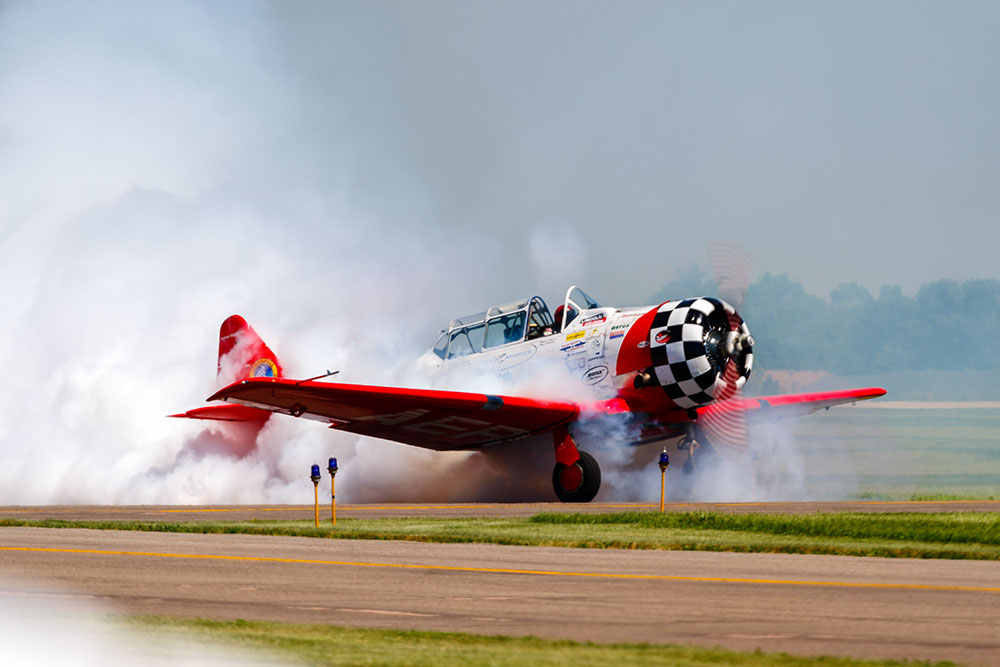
x=242, y=354
x=226, y=413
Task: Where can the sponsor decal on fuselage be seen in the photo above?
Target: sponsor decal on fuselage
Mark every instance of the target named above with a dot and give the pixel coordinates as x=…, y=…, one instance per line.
x=595, y=374
x=574, y=335
x=617, y=334
x=509, y=358
x=593, y=319
x=572, y=346
x=575, y=361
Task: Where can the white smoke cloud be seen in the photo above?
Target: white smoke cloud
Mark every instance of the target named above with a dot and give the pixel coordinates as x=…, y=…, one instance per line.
x=145, y=201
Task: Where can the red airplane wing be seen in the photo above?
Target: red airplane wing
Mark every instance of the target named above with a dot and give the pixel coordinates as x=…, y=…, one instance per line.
x=774, y=408
x=441, y=420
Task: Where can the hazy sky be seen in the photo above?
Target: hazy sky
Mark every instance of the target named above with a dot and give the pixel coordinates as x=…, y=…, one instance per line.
x=836, y=141
x=349, y=176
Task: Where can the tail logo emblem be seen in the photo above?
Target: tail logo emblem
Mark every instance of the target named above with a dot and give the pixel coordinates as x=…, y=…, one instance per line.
x=263, y=368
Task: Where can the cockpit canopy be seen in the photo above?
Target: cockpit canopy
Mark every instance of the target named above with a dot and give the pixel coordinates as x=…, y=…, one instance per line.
x=510, y=323
x=576, y=301
x=500, y=325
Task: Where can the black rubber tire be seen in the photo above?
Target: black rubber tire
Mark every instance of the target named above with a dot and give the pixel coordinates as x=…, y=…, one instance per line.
x=588, y=488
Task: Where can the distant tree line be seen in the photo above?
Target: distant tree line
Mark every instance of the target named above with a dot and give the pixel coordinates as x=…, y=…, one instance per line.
x=947, y=325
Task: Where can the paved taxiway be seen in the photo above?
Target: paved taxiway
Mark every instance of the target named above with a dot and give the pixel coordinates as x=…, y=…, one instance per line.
x=385, y=510
x=865, y=607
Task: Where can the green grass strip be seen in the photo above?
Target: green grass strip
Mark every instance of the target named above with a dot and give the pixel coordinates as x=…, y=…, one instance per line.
x=944, y=528
x=331, y=645
x=960, y=535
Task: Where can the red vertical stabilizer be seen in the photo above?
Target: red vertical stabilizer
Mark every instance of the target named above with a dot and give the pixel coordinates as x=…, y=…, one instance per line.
x=243, y=354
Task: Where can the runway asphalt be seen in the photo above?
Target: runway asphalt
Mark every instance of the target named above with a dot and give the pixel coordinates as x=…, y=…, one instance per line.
x=369, y=511
x=812, y=605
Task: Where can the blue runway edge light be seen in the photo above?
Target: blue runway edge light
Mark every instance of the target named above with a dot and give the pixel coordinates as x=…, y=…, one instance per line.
x=664, y=459
x=315, y=473
x=332, y=468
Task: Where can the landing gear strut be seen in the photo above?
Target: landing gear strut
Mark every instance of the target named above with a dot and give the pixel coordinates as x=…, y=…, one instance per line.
x=694, y=441
x=690, y=445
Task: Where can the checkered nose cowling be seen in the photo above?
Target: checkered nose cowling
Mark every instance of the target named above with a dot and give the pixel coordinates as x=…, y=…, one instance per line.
x=702, y=351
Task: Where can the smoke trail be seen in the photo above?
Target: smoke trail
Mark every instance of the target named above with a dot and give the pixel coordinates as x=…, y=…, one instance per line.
x=150, y=191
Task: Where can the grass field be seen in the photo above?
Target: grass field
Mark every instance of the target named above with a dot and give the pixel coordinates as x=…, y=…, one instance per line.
x=882, y=453
x=329, y=645
x=953, y=535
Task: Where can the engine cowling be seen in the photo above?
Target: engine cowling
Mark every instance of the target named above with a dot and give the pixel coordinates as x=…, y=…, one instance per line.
x=701, y=351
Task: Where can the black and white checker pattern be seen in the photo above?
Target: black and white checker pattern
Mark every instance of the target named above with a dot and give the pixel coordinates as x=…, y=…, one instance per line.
x=681, y=359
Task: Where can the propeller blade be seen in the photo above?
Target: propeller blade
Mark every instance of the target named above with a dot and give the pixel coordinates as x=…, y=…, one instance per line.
x=731, y=266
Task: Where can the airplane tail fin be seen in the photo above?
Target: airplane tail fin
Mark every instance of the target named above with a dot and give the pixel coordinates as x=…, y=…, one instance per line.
x=242, y=354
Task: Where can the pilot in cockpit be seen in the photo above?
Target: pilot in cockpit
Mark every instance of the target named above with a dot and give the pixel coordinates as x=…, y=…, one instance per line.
x=570, y=316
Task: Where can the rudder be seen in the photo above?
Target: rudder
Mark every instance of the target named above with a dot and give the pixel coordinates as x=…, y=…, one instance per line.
x=243, y=354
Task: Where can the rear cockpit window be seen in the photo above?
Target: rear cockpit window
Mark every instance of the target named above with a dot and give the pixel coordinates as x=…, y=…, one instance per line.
x=505, y=329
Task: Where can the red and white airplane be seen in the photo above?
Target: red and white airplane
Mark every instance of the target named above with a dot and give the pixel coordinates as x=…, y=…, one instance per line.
x=653, y=373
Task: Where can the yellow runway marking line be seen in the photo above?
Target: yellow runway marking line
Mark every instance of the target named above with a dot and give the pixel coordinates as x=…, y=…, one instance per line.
x=499, y=570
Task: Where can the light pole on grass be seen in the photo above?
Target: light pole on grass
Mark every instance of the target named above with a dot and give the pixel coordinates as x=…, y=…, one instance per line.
x=332, y=469
x=664, y=464
x=315, y=477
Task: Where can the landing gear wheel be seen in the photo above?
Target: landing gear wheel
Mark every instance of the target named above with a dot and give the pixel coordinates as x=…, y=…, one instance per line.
x=579, y=482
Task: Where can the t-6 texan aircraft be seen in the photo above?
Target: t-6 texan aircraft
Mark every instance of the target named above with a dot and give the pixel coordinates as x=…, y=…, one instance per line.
x=649, y=374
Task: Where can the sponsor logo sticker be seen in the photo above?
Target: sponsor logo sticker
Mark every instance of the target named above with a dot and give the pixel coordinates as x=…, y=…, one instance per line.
x=616, y=334
x=574, y=336
x=572, y=346
x=593, y=319
x=595, y=374
x=513, y=358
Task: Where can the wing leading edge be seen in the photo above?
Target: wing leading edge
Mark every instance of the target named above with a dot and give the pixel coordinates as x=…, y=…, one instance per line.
x=433, y=419
x=775, y=408
x=451, y=420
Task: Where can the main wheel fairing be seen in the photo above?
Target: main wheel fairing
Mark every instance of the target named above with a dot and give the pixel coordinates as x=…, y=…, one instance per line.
x=587, y=487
